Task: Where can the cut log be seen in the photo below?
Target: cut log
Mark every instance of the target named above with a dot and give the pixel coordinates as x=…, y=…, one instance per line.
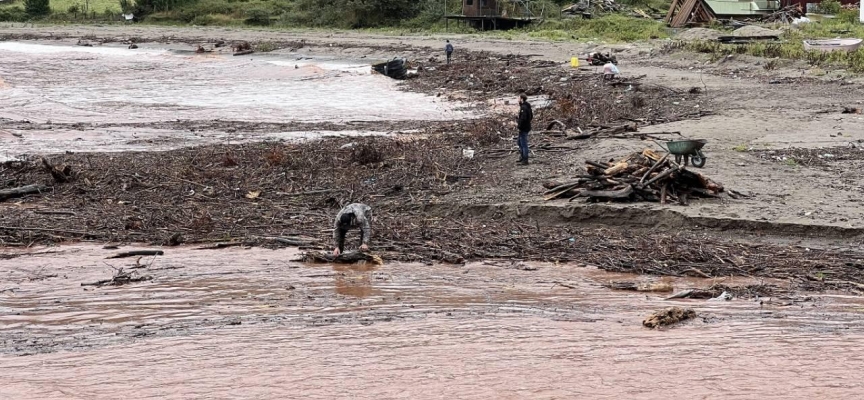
x=653, y=167
x=21, y=191
x=597, y=165
x=659, y=177
x=608, y=194
x=616, y=169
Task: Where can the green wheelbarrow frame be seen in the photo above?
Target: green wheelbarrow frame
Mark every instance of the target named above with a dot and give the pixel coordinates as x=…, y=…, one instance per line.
x=688, y=150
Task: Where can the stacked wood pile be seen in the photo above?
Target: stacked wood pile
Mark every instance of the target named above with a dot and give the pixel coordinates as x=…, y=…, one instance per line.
x=646, y=176
x=688, y=12
x=785, y=15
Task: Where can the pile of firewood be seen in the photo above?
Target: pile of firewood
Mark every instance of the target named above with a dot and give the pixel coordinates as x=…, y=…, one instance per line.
x=646, y=176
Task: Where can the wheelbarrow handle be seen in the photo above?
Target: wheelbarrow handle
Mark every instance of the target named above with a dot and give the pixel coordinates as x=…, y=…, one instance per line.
x=661, y=146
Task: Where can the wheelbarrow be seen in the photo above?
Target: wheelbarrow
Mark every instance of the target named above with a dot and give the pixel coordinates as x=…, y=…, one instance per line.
x=688, y=151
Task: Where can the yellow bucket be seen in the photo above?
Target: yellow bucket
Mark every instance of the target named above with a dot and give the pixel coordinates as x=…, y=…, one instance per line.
x=574, y=62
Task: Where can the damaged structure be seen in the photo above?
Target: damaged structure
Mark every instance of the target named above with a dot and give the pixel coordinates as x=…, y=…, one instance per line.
x=495, y=14
x=696, y=12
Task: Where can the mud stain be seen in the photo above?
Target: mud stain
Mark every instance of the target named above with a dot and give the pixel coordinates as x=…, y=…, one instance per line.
x=250, y=323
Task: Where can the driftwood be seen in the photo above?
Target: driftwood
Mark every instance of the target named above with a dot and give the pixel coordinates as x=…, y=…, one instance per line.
x=244, y=52
x=289, y=241
x=640, y=287
x=220, y=246
x=6, y=194
x=138, y=253
x=645, y=176
x=59, y=175
x=669, y=316
x=120, y=278
x=351, y=257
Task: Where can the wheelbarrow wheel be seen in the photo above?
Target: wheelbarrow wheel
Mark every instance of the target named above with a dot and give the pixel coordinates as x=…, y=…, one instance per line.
x=698, y=160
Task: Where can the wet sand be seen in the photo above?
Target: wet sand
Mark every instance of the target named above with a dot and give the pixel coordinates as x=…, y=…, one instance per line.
x=248, y=323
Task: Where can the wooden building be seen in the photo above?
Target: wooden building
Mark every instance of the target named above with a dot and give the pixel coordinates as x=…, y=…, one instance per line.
x=495, y=14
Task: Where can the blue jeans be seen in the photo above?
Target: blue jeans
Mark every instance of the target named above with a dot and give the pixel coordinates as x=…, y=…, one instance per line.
x=523, y=145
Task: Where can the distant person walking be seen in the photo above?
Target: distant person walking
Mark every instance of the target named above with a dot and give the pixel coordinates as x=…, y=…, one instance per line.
x=449, y=50
x=524, y=126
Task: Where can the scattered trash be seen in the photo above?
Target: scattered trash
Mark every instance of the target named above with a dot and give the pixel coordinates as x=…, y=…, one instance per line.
x=668, y=316
x=786, y=15
x=468, y=153
x=597, y=59
x=725, y=296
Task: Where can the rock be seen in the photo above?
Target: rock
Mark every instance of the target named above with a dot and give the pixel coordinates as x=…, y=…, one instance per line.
x=668, y=316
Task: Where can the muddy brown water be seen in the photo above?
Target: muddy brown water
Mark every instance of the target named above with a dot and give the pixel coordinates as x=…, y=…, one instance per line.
x=251, y=323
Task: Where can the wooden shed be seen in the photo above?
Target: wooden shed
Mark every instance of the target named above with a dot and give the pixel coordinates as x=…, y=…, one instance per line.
x=495, y=14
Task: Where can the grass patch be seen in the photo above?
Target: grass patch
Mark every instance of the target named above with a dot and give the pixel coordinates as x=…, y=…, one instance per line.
x=64, y=6
x=614, y=28
x=790, y=162
x=741, y=148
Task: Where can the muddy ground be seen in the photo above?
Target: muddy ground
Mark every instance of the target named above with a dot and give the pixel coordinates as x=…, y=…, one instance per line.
x=471, y=250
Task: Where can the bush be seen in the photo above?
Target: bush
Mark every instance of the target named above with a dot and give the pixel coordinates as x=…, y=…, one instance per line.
x=74, y=9
x=13, y=14
x=257, y=16
x=126, y=6
x=830, y=7
x=37, y=8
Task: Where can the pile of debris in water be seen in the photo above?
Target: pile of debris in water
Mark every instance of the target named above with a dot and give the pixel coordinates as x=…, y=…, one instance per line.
x=646, y=176
x=396, y=68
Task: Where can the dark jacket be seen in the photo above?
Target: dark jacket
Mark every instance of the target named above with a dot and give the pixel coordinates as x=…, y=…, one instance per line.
x=448, y=48
x=525, y=117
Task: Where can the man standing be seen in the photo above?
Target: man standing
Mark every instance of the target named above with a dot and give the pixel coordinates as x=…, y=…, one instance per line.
x=449, y=50
x=524, y=126
x=355, y=215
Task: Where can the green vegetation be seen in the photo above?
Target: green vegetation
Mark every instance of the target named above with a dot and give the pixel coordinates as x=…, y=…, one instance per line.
x=792, y=47
x=741, y=148
x=37, y=8
x=791, y=162
x=390, y=16
x=612, y=27
x=830, y=7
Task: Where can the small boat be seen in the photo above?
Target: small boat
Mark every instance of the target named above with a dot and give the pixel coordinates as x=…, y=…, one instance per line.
x=832, y=45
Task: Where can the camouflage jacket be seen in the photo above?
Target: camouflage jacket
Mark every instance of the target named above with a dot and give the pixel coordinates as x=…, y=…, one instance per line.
x=361, y=220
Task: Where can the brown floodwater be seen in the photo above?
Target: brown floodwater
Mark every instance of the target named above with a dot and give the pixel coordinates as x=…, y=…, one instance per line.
x=252, y=324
